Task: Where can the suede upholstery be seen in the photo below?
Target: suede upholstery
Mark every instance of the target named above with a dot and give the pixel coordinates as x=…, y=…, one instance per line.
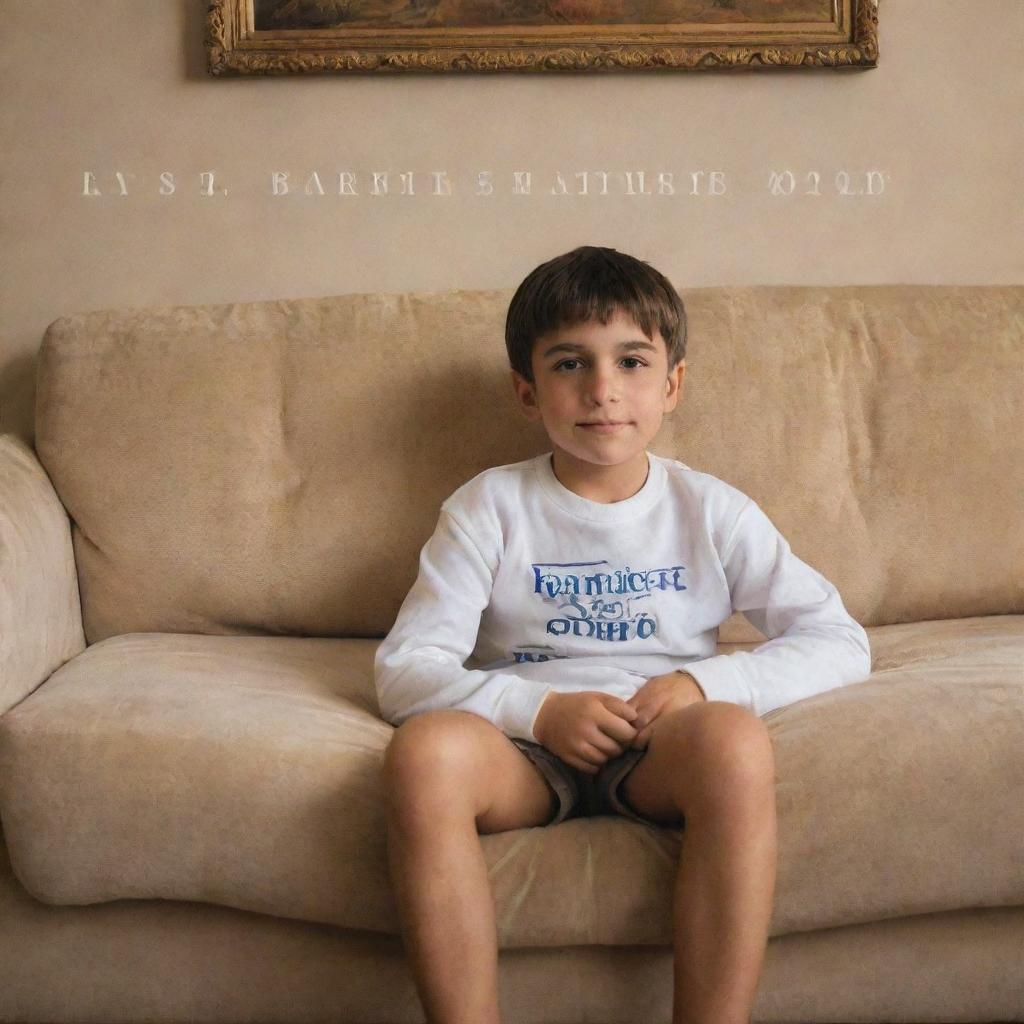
x=228, y=468
x=40, y=613
x=189, y=757
x=244, y=771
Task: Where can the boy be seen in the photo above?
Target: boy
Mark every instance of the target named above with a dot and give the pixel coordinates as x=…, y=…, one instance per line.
x=586, y=587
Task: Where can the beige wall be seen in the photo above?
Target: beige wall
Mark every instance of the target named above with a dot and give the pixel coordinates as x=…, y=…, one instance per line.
x=121, y=85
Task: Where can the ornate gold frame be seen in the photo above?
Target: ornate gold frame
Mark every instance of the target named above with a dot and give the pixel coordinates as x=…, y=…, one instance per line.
x=234, y=47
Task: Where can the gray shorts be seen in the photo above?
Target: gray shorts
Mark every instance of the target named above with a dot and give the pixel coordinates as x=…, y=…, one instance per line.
x=582, y=795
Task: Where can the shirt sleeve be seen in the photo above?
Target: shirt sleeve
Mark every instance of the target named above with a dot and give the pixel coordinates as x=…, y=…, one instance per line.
x=815, y=644
x=419, y=665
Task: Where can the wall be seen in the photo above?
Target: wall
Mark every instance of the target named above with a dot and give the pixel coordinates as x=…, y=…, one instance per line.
x=113, y=86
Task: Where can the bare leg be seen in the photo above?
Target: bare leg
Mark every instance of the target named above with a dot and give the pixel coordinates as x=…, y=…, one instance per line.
x=450, y=775
x=713, y=763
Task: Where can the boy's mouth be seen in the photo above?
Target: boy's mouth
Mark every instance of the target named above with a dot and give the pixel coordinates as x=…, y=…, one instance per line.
x=604, y=426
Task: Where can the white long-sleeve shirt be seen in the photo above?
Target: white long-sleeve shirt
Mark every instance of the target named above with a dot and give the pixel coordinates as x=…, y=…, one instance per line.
x=527, y=587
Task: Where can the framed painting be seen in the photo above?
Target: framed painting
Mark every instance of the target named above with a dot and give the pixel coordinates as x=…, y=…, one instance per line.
x=280, y=37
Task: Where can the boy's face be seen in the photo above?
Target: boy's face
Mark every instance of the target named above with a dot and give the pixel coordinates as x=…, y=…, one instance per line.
x=601, y=391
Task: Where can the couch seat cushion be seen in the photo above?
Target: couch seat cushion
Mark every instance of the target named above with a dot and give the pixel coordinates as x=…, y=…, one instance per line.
x=244, y=771
x=235, y=770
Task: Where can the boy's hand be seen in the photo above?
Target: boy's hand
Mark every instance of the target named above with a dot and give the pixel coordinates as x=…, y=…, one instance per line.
x=658, y=695
x=584, y=729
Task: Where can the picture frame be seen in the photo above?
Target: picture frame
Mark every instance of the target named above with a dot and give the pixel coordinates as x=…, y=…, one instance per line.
x=282, y=37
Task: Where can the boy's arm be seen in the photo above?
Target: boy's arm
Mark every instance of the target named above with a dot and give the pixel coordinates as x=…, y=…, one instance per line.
x=816, y=645
x=419, y=665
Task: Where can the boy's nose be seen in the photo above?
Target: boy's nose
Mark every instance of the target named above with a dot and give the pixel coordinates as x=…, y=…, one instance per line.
x=602, y=387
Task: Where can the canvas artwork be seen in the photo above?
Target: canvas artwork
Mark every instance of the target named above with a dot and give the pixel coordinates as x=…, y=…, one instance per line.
x=298, y=14
x=276, y=37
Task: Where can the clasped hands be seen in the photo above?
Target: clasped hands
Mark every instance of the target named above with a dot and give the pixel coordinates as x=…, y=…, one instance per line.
x=585, y=729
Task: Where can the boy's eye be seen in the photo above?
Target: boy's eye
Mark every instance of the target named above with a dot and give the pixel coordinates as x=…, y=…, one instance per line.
x=629, y=361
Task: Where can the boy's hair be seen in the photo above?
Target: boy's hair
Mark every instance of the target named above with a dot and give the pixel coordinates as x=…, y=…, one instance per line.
x=591, y=283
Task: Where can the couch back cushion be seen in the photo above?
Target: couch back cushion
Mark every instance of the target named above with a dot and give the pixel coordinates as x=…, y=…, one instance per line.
x=275, y=467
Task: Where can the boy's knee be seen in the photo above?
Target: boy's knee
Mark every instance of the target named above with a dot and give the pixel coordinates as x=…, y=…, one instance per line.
x=738, y=739
x=431, y=768
x=720, y=735
x=429, y=744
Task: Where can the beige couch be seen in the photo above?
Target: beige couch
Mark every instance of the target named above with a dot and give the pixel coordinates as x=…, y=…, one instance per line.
x=219, y=518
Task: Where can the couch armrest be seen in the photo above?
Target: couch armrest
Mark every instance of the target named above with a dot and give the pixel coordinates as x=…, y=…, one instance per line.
x=40, y=611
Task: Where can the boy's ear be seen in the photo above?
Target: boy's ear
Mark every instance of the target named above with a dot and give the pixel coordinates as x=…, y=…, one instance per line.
x=526, y=396
x=674, y=385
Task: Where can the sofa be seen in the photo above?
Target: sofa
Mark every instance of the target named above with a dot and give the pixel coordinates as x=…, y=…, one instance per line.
x=215, y=524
